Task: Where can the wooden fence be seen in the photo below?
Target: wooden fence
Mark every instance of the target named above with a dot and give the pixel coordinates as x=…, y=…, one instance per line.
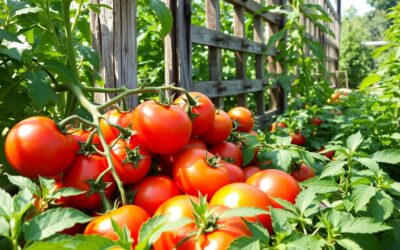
x=269, y=98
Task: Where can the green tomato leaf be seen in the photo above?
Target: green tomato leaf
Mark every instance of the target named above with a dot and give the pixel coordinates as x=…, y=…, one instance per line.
x=369, y=80
x=362, y=225
x=78, y=242
x=23, y=182
x=361, y=196
x=245, y=243
x=300, y=241
x=349, y=244
x=275, y=38
x=321, y=186
x=4, y=227
x=280, y=219
x=12, y=53
x=163, y=14
x=242, y=212
x=305, y=199
x=39, y=89
x=27, y=10
x=381, y=207
x=52, y=221
x=90, y=55
x=6, y=204
x=391, y=156
x=65, y=192
x=333, y=168
x=248, y=154
x=152, y=229
x=369, y=163
x=281, y=159
x=258, y=231
x=354, y=141
x=7, y=35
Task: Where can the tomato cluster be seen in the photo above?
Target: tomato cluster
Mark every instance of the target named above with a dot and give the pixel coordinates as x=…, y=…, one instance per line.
x=186, y=141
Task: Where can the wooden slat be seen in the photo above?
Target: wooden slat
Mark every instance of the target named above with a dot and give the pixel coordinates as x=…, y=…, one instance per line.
x=263, y=119
x=253, y=7
x=239, y=30
x=214, y=53
x=259, y=64
x=208, y=37
x=230, y=87
x=332, y=10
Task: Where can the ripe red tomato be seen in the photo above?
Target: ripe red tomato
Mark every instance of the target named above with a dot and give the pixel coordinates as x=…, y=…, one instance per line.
x=220, y=130
x=250, y=170
x=243, y=117
x=244, y=195
x=277, y=125
x=81, y=136
x=178, y=207
x=236, y=174
x=83, y=169
x=193, y=173
x=204, y=112
x=298, y=139
x=161, y=129
x=329, y=154
x=303, y=173
x=316, y=121
x=152, y=191
x=130, y=166
x=123, y=119
x=130, y=216
x=193, y=142
x=35, y=146
x=228, y=152
x=276, y=184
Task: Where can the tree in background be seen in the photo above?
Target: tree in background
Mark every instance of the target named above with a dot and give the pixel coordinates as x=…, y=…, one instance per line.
x=355, y=58
x=382, y=4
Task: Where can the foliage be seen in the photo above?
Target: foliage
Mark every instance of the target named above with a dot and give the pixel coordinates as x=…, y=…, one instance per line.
x=355, y=58
x=383, y=4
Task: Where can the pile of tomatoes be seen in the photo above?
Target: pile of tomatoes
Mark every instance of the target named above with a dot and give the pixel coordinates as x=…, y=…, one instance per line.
x=172, y=154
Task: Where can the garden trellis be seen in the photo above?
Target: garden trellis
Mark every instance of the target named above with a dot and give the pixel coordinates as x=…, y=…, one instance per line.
x=114, y=37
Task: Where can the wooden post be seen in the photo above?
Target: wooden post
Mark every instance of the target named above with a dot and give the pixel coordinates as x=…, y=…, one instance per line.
x=239, y=30
x=114, y=37
x=178, y=46
x=214, y=53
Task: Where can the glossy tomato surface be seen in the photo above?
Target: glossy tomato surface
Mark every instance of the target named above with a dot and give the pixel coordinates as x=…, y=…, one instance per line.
x=229, y=152
x=152, y=191
x=276, y=184
x=303, y=173
x=131, y=164
x=298, y=139
x=220, y=129
x=83, y=169
x=243, y=195
x=35, y=146
x=250, y=170
x=161, y=129
x=204, y=112
x=130, y=216
x=193, y=142
x=243, y=117
x=193, y=173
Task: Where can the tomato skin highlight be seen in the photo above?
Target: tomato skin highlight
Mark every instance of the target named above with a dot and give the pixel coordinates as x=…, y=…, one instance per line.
x=243, y=117
x=220, y=129
x=130, y=216
x=204, y=112
x=35, y=146
x=86, y=168
x=228, y=152
x=303, y=173
x=162, y=130
x=276, y=184
x=193, y=174
x=244, y=195
x=152, y=191
x=129, y=173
